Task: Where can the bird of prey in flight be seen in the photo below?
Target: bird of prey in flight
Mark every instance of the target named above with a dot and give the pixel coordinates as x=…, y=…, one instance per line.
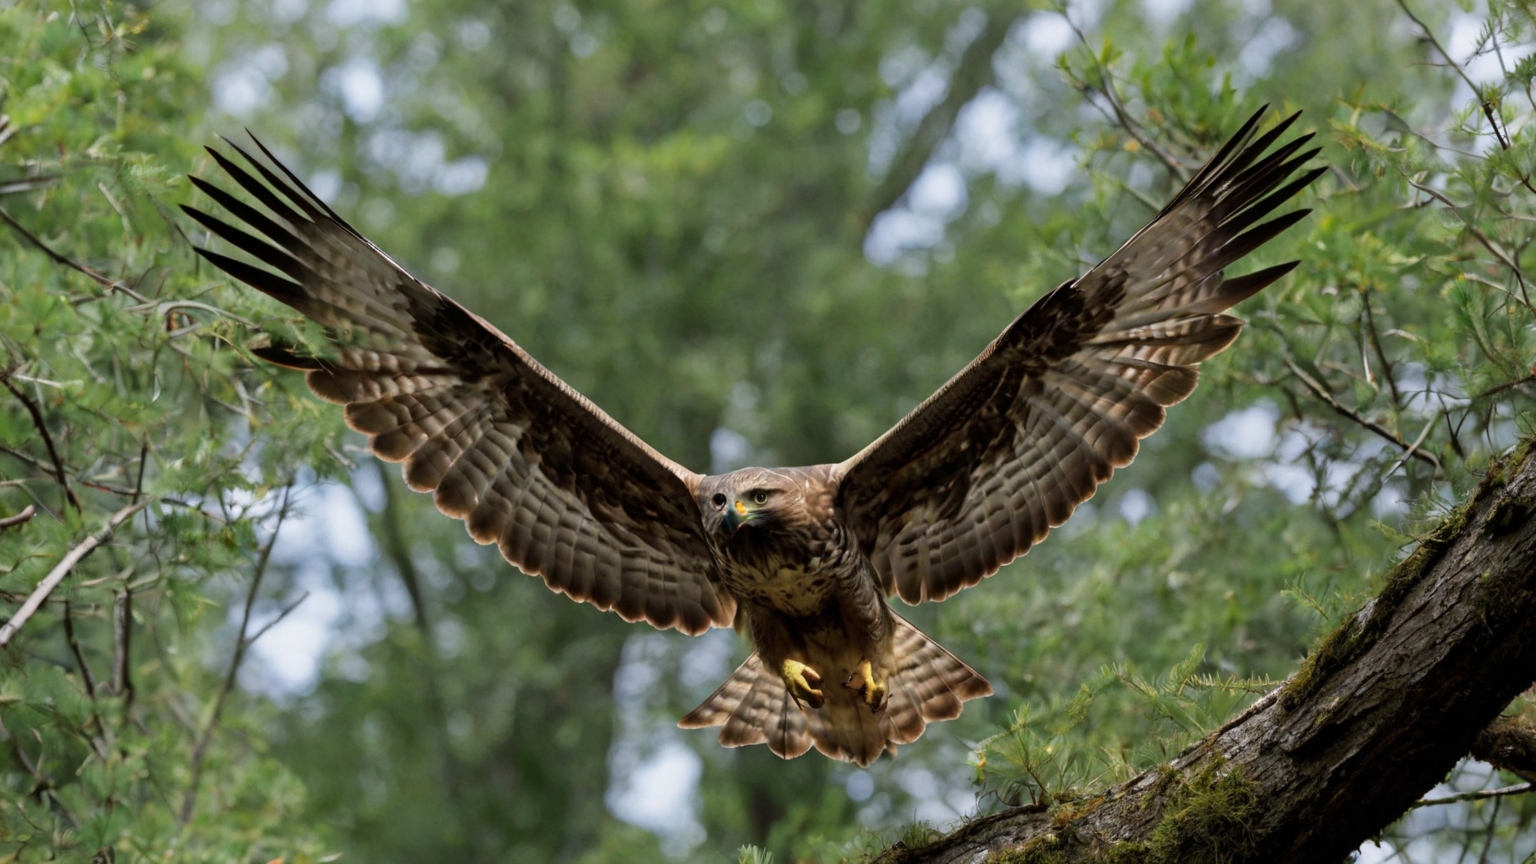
x=804, y=558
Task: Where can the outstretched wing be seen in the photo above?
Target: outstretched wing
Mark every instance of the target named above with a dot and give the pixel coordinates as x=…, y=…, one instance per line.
x=527, y=462
x=1005, y=451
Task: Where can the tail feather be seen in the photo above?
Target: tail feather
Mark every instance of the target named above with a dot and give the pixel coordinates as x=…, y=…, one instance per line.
x=845, y=729
x=753, y=707
x=928, y=684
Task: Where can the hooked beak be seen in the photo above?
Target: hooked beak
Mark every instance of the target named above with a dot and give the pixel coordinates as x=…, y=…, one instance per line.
x=736, y=516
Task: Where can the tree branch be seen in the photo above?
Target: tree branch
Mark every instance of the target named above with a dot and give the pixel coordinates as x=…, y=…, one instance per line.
x=393, y=534
x=122, y=643
x=1381, y=431
x=101, y=742
x=1479, y=795
x=1377, y=714
x=1509, y=743
x=25, y=515
x=242, y=642
x=103, y=281
x=60, y=570
x=1117, y=110
x=972, y=72
x=42, y=430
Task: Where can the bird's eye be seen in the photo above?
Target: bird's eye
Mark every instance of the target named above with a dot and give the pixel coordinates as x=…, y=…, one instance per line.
x=760, y=497
x=718, y=500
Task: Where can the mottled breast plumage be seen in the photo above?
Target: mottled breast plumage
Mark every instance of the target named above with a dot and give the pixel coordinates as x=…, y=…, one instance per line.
x=776, y=540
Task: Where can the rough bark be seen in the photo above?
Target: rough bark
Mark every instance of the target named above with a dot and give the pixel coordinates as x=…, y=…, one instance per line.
x=1509, y=743
x=1377, y=714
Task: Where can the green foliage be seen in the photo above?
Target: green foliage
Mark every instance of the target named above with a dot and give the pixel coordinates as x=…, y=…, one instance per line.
x=121, y=386
x=681, y=213
x=750, y=854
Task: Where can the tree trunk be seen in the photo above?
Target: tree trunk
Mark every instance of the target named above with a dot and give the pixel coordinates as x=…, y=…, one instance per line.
x=1376, y=715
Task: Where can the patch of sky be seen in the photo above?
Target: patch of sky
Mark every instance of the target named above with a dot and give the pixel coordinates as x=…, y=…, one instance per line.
x=366, y=13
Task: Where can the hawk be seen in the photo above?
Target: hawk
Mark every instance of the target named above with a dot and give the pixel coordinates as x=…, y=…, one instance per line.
x=803, y=559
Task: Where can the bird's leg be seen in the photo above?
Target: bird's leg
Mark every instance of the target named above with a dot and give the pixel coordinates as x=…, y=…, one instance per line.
x=802, y=682
x=863, y=680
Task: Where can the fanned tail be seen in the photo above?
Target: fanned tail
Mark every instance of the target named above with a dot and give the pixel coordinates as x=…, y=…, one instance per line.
x=929, y=684
x=753, y=707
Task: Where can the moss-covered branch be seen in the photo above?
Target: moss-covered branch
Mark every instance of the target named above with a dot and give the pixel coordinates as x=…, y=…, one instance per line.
x=1377, y=714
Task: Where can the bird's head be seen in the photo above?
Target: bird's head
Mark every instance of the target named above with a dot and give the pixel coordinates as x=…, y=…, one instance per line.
x=753, y=500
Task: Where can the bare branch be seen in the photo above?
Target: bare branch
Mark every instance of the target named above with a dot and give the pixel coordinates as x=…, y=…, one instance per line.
x=1327, y=398
x=86, y=677
x=42, y=429
x=99, y=743
x=25, y=515
x=122, y=644
x=282, y=613
x=392, y=535
x=1381, y=354
x=66, y=564
x=393, y=538
x=1480, y=795
x=1412, y=449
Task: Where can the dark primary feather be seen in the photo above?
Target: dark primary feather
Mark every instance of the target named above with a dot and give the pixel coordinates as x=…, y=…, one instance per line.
x=1002, y=453
x=527, y=462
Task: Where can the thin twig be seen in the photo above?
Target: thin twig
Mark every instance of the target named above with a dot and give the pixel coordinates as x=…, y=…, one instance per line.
x=102, y=743
x=1486, y=105
x=1519, y=789
x=1412, y=449
x=1504, y=257
x=103, y=487
x=1327, y=398
x=1491, y=391
x=200, y=748
x=103, y=281
x=42, y=428
x=1487, y=242
x=1381, y=355
x=122, y=644
x=1120, y=115
x=44, y=785
x=163, y=307
x=60, y=570
x=283, y=613
x=400, y=555
x=25, y=515
x=138, y=482
x=16, y=187
x=74, y=648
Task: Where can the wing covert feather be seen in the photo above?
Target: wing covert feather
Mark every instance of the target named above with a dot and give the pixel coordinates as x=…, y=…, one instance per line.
x=1007, y=449
x=528, y=463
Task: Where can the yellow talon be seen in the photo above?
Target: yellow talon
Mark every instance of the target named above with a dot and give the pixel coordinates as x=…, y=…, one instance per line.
x=863, y=680
x=802, y=682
